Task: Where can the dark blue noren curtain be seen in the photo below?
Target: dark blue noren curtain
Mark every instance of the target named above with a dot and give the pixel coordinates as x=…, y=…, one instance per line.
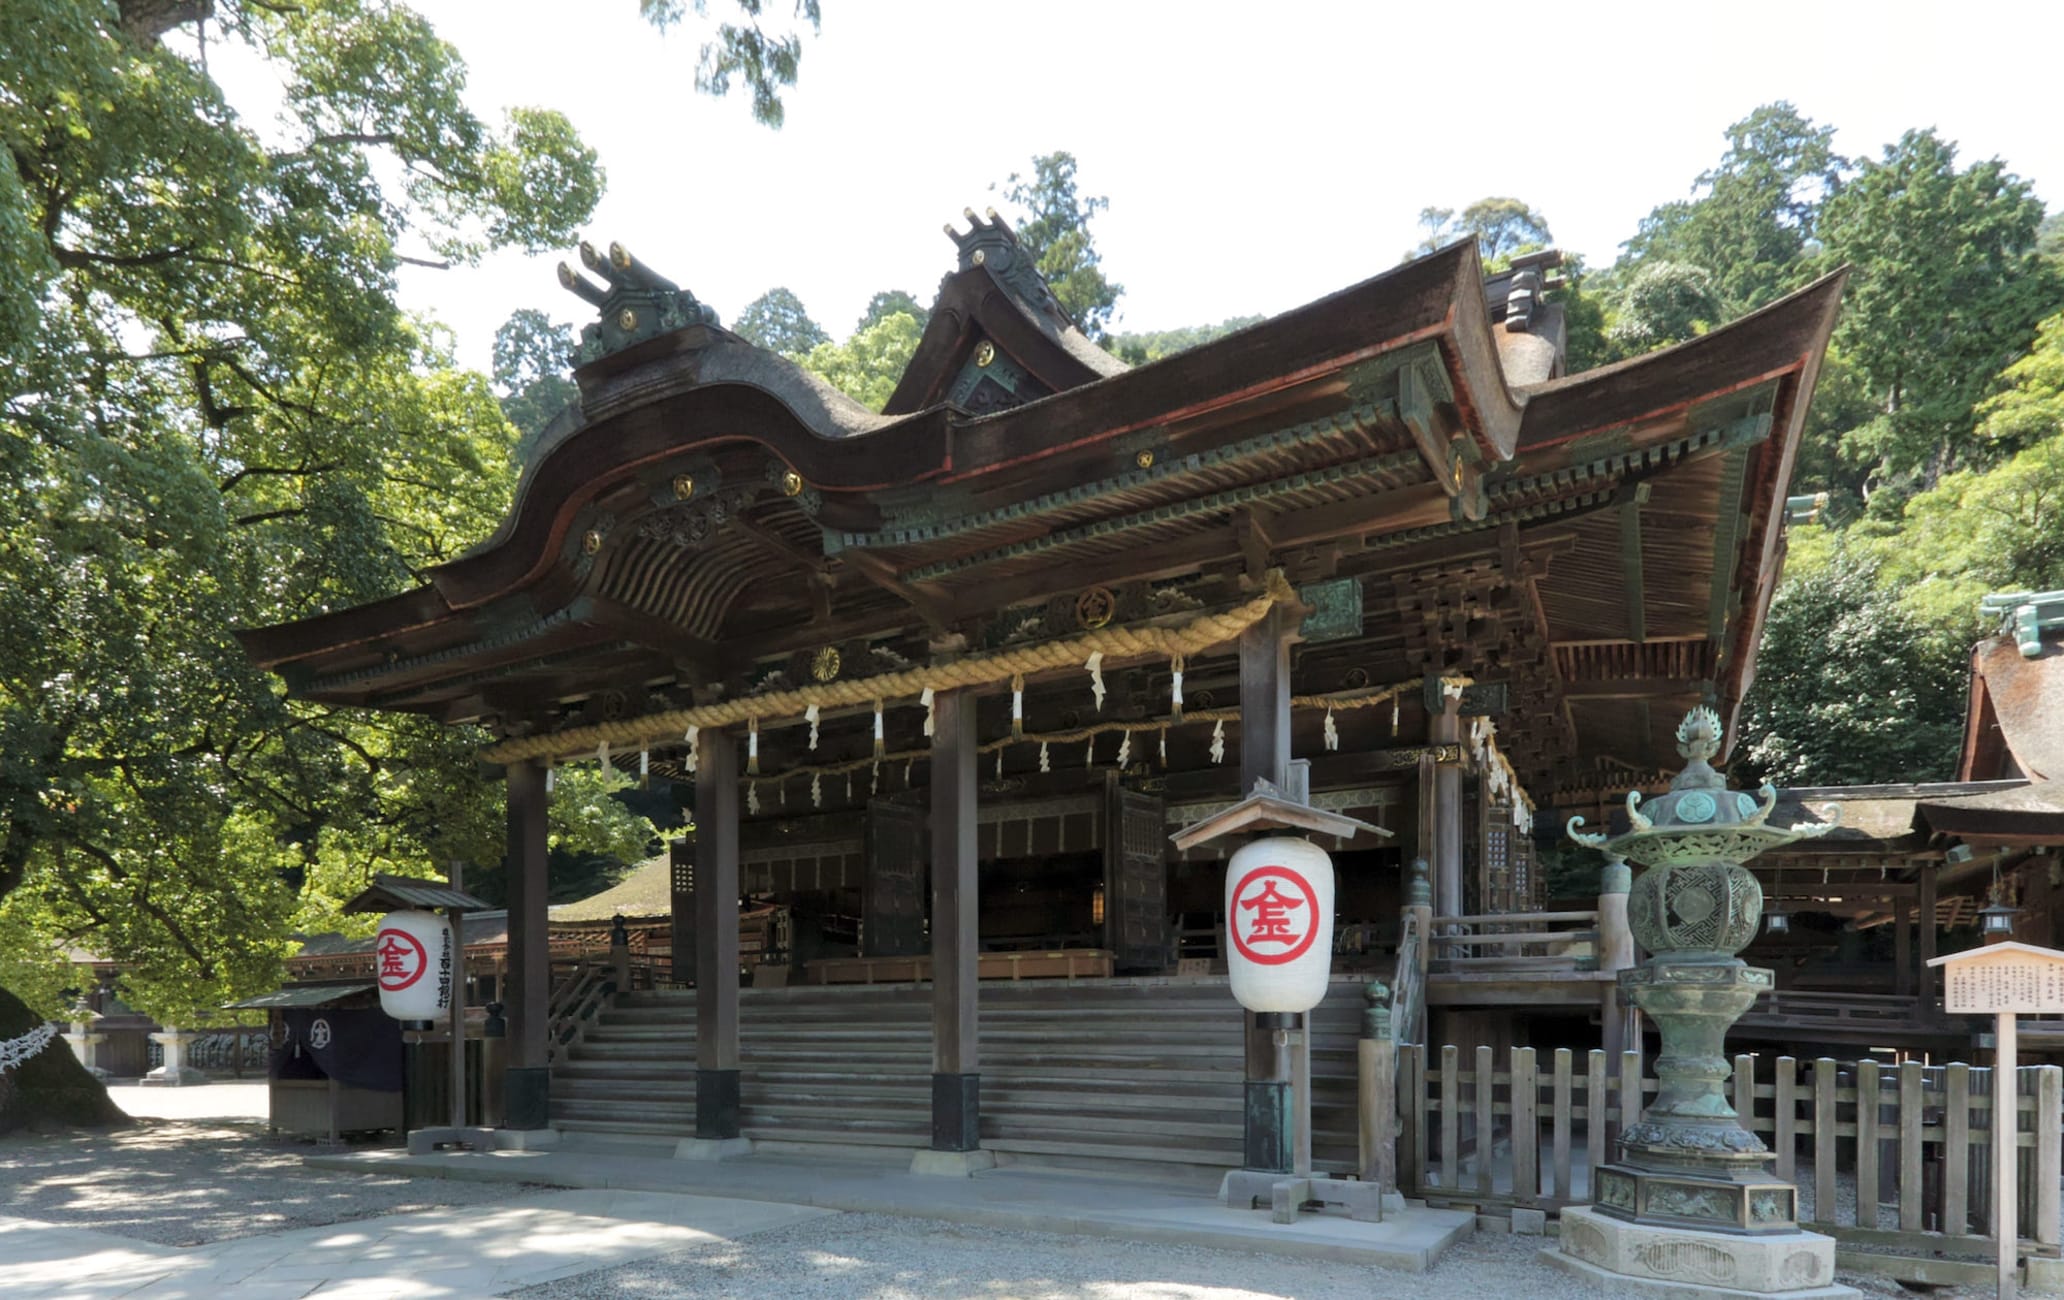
x=359, y=1048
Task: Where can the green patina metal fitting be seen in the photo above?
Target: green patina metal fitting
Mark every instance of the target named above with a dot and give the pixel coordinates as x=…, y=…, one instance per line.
x=924, y=516
x=1214, y=503
x=1336, y=609
x=2026, y=615
x=636, y=304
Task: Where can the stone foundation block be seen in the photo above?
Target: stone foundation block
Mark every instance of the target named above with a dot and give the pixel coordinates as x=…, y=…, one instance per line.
x=525, y=1139
x=1640, y=1259
x=952, y=1164
x=712, y=1148
x=1530, y=1223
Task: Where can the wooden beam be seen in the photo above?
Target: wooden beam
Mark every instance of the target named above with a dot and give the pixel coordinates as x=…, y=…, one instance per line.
x=930, y=605
x=1641, y=688
x=782, y=549
x=698, y=655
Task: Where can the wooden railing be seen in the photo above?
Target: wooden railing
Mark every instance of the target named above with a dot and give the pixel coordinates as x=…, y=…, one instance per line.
x=575, y=1002
x=1919, y=1158
x=1809, y=1009
x=1408, y=984
x=1514, y=941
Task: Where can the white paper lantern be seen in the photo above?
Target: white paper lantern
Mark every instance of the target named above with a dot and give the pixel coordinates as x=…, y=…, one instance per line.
x=1279, y=924
x=413, y=962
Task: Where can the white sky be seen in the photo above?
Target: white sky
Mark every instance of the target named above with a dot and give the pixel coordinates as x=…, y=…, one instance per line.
x=1256, y=156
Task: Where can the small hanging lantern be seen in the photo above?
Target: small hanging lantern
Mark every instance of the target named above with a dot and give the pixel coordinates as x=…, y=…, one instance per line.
x=1996, y=918
x=1776, y=920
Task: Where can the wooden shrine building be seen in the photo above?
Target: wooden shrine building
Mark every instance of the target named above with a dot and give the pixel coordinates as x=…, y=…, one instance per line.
x=944, y=677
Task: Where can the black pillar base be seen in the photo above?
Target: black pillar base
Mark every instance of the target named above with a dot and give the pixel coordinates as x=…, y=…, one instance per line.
x=1269, y=1125
x=716, y=1104
x=526, y=1097
x=956, y=1112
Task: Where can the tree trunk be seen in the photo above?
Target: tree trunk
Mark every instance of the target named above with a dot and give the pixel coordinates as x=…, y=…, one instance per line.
x=50, y=1090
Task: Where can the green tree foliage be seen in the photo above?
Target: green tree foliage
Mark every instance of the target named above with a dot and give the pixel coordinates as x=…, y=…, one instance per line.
x=866, y=366
x=1946, y=290
x=1852, y=688
x=2029, y=407
x=1503, y=229
x=1051, y=218
x=765, y=61
x=532, y=356
x=213, y=416
x=1749, y=225
x=888, y=303
x=1152, y=345
x=1659, y=303
x=777, y=321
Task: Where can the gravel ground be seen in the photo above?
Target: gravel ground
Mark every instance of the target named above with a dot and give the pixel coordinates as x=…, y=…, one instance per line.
x=186, y=1183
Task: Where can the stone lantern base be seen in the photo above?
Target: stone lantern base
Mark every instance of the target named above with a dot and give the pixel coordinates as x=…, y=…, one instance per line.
x=1652, y=1259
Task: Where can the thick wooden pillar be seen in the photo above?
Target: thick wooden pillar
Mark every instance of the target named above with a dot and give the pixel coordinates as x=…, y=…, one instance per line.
x=1902, y=946
x=1270, y=1115
x=1926, y=920
x=956, y=1064
x=1265, y=700
x=1446, y=729
x=527, y=992
x=716, y=935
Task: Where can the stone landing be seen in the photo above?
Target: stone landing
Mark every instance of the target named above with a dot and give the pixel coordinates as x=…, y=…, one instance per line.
x=1635, y=1259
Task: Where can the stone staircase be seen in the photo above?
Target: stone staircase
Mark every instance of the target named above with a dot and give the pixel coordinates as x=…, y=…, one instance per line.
x=1136, y=1070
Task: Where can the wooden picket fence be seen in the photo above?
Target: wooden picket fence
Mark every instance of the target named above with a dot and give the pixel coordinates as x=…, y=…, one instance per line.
x=1920, y=1157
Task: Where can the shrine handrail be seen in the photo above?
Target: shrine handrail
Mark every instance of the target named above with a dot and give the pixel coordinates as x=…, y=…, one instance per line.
x=1523, y=941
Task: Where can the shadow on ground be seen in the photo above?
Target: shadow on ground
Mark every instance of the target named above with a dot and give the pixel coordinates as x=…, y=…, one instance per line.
x=178, y=1183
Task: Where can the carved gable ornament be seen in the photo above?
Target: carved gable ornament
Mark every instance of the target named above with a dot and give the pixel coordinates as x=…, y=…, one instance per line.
x=2003, y=977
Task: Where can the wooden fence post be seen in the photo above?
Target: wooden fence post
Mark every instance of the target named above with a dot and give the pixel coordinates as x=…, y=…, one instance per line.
x=1910, y=1145
x=1785, y=1110
x=1630, y=1089
x=1560, y=1187
x=1597, y=1081
x=2049, y=1131
x=1956, y=1140
x=1824, y=1140
x=1451, y=1118
x=1526, y=1127
x=1867, y=1144
x=1410, y=1105
x=1486, y=1117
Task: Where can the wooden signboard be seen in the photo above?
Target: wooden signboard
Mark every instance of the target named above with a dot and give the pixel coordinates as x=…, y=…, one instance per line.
x=2003, y=980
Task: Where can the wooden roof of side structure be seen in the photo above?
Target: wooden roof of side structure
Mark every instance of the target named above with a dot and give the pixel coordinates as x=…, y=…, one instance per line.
x=713, y=510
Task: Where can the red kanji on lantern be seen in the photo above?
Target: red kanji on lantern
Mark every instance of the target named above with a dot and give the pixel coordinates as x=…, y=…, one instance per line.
x=1275, y=911
x=402, y=960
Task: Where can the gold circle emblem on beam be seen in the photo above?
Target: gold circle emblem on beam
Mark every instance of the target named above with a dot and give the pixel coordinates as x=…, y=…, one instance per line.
x=825, y=664
x=684, y=486
x=1094, y=607
x=627, y=320
x=791, y=484
x=985, y=353
x=1144, y=459
x=591, y=541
